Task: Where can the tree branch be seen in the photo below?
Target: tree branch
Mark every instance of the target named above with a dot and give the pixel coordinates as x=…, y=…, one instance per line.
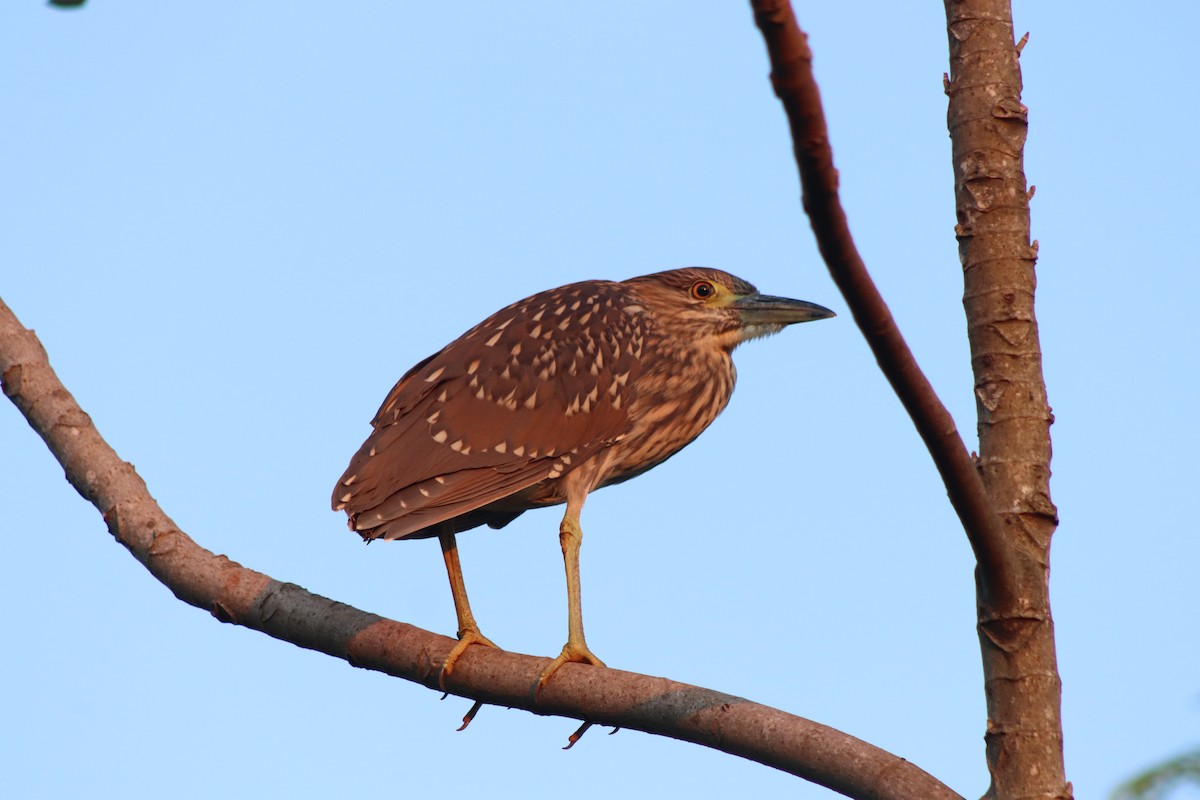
x=236, y=594
x=988, y=125
x=796, y=88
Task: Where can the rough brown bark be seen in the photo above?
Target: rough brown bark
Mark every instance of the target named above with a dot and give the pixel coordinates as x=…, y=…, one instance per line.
x=233, y=593
x=988, y=125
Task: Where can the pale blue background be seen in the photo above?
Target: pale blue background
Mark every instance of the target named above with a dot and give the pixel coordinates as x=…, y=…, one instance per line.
x=234, y=225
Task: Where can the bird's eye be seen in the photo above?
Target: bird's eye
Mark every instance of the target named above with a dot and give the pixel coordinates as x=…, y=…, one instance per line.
x=702, y=290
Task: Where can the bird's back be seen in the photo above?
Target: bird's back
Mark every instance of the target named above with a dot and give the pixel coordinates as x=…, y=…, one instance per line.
x=518, y=400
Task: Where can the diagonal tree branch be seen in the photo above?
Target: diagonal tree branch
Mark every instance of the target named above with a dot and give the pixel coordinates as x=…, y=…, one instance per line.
x=792, y=78
x=236, y=594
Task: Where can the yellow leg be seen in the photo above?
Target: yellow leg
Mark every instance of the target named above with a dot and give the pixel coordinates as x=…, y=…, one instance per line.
x=570, y=536
x=468, y=629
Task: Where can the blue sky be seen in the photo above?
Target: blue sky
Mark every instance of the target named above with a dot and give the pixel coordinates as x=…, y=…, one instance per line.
x=234, y=227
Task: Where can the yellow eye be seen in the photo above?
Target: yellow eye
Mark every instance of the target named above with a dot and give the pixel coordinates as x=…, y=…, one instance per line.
x=703, y=290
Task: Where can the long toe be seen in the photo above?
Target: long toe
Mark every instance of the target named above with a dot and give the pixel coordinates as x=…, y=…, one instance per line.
x=465, y=639
x=571, y=652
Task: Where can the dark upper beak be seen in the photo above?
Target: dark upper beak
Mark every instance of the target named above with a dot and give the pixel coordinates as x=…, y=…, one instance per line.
x=763, y=309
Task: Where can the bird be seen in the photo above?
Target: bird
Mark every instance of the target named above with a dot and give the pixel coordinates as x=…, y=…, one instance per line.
x=547, y=400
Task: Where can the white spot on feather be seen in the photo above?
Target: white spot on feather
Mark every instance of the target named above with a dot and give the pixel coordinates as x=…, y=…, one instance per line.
x=440, y=437
x=437, y=373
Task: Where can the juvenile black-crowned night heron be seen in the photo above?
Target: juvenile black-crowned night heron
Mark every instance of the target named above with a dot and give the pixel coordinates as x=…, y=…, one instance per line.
x=547, y=400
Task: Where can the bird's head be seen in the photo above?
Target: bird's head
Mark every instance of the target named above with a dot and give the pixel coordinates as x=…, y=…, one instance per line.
x=698, y=303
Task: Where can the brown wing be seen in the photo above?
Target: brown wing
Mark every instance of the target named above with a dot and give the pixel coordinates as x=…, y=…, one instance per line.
x=517, y=401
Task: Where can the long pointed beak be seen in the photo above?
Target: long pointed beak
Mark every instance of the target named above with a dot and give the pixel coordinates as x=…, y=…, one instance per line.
x=775, y=312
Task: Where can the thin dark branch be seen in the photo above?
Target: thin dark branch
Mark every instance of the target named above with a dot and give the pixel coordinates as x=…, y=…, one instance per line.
x=236, y=594
x=792, y=78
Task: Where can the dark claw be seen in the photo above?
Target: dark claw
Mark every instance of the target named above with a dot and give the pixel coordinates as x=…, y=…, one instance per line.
x=577, y=735
x=471, y=714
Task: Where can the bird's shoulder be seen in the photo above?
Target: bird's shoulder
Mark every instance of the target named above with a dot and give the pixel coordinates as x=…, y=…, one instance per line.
x=546, y=353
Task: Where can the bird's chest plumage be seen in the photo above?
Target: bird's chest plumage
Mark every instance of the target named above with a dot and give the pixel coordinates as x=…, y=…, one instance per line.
x=676, y=399
x=665, y=388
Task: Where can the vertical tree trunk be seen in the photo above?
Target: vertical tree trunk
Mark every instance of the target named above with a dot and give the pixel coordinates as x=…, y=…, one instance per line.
x=988, y=126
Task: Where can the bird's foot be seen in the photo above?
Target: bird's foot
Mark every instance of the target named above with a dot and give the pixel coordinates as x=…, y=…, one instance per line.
x=466, y=638
x=577, y=652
